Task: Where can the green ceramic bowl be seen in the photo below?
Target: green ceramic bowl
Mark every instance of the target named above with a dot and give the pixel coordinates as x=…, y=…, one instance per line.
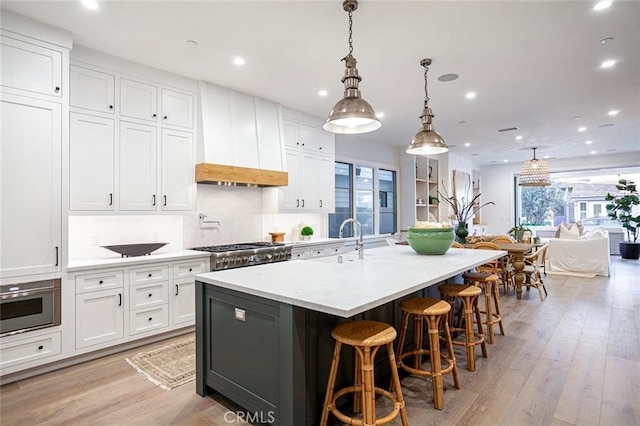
x=430, y=240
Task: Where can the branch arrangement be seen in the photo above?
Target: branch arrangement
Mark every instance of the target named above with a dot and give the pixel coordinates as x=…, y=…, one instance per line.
x=463, y=208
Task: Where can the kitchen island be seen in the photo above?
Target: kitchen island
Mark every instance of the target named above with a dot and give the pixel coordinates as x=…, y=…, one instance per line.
x=263, y=333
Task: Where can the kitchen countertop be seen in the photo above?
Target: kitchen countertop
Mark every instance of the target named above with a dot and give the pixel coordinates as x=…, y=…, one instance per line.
x=353, y=286
x=86, y=264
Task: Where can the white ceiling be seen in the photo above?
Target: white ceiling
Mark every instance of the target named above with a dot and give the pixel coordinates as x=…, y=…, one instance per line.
x=534, y=65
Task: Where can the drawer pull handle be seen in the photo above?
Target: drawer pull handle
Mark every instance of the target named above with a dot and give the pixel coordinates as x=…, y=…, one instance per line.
x=40, y=347
x=150, y=294
x=177, y=289
x=150, y=275
x=150, y=319
x=100, y=282
x=119, y=299
x=190, y=269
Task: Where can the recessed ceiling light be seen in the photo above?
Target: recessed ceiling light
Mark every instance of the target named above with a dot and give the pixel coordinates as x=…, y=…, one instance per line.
x=602, y=5
x=582, y=129
x=238, y=60
x=613, y=112
x=379, y=114
x=608, y=64
x=594, y=152
x=470, y=95
x=505, y=161
x=448, y=77
x=545, y=157
x=518, y=138
x=322, y=93
x=606, y=40
x=467, y=144
x=191, y=43
x=588, y=142
x=89, y=4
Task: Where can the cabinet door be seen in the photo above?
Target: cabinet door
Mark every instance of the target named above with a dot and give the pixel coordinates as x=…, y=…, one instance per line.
x=325, y=142
x=176, y=170
x=269, y=139
x=288, y=199
x=30, y=67
x=138, y=100
x=91, y=89
x=308, y=182
x=177, y=109
x=91, y=162
x=243, y=125
x=325, y=185
x=290, y=133
x=99, y=317
x=138, y=167
x=307, y=137
x=30, y=186
x=184, y=304
x=216, y=124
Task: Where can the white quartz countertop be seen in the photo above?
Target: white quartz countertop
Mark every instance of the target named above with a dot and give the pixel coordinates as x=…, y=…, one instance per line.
x=353, y=286
x=172, y=256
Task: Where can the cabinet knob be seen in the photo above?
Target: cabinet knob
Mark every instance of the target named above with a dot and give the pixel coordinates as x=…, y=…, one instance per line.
x=320, y=147
x=100, y=282
x=40, y=347
x=150, y=319
x=190, y=269
x=110, y=106
x=150, y=275
x=154, y=115
x=150, y=294
x=164, y=118
x=57, y=89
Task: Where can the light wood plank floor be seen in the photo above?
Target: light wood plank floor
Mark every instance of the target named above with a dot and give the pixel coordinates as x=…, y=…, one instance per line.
x=573, y=359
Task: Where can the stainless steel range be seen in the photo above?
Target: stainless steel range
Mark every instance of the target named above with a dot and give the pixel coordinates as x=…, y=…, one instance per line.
x=246, y=254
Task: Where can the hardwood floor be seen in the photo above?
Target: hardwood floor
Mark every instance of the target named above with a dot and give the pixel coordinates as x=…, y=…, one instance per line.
x=573, y=359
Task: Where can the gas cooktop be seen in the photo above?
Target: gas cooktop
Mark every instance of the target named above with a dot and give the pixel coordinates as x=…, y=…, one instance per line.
x=236, y=247
x=229, y=256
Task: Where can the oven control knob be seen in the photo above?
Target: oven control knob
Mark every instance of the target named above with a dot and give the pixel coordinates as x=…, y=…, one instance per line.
x=225, y=262
x=268, y=256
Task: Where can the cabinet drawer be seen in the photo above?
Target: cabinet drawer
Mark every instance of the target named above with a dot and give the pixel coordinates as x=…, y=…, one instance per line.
x=149, y=275
x=299, y=254
x=141, y=321
x=100, y=281
x=27, y=350
x=144, y=295
x=189, y=269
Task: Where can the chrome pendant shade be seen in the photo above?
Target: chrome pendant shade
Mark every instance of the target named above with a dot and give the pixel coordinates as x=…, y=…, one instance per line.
x=427, y=141
x=351, y=114
x=534, y=172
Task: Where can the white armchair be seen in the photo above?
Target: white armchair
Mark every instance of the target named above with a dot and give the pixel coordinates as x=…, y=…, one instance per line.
x=584, y=257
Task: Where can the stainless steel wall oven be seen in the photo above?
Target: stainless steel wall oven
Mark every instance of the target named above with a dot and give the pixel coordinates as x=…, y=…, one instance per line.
x=29, y=306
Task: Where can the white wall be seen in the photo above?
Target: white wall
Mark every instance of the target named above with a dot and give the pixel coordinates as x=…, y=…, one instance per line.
x=497, y=184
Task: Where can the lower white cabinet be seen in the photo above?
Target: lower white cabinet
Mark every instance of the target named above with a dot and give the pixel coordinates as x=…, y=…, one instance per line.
x=150, y=319
x=99, y=317
x=30, y=349
x=315, y=250
x=184, y=307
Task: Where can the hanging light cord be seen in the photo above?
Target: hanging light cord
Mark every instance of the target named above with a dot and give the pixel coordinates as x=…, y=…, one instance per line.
x=426, y=92
x=350, y=31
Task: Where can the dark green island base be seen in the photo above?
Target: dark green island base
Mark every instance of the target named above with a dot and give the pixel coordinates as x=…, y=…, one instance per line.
x=275, y=363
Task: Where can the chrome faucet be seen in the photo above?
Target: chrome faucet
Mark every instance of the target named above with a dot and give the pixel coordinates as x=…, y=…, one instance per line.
x=359, y=243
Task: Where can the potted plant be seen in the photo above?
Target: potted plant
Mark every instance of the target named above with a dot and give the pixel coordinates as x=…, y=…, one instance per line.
x=517, y=232
x=463, y=208
x=620, y=207
x=306, y=232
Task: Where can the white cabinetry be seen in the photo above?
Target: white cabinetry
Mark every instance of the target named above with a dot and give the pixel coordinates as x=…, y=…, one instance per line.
x=30, y=349
x=147, y=165
x=148, y=299
x=31, y=185
x=91, y=160
x=184, y=294
x=315, y=250
x=310, y=164
x=91, y=89
x=30, y=66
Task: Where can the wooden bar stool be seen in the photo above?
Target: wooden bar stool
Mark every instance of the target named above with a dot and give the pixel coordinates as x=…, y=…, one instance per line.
x=366, y=337
x=435, y=312
x=468, y=295
x=489, y=284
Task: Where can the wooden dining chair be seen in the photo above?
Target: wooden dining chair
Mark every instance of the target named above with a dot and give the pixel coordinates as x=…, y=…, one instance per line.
x=505, y=264
x=533, y=263
x=502, y=239
x=457, y=245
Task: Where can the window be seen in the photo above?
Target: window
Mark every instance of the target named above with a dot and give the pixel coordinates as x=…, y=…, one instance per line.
x=366, y=193
x=583, y=211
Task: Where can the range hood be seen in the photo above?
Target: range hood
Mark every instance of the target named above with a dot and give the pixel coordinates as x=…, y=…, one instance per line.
x=221, y=174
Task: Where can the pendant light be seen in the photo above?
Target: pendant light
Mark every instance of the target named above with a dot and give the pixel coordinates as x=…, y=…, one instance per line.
x=427, y=141
x=534, y=172
x=352, y=114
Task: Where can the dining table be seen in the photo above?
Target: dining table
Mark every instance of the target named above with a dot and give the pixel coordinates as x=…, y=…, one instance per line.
x=516, y=252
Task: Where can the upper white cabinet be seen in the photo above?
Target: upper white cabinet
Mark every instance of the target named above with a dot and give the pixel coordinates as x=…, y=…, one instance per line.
x=241, y=130
x=91, y=162
x=177, y=109
x=31, y=67
x=138, y=167
x=138, y=100
x=92, y=89
x=31, y=155
x=125, y=155
x=310, y=163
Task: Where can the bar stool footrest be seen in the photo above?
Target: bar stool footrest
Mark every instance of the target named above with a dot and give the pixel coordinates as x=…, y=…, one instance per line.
x=425, y=373
x=397, y=405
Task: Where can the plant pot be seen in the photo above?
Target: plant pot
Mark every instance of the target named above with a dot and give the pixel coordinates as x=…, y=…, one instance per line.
x=629, y=250
x=306, y=237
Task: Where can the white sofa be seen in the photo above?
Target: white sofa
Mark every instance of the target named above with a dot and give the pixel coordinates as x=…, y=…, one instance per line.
x=584, y=257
